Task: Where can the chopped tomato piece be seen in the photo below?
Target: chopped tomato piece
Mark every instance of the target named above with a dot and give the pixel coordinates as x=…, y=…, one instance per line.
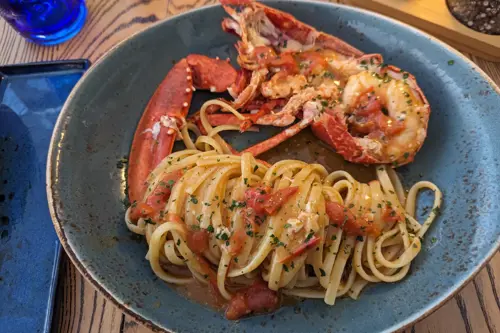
x=158, y=199
x=256, y=197
x=277, y=199
x=237, y=307
x=161, y=193
x=347, y=221
x=197, y=241
x=268, y=204
x=171, y=217
x=140, y=210
x=371, y=116
x=390, y=215
x=257, y=298
x=308, y=244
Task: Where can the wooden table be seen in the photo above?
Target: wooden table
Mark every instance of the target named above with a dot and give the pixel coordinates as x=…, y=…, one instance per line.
x=80, y=308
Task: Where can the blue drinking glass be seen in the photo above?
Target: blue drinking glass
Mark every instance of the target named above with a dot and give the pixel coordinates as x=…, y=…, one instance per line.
x=45, y=22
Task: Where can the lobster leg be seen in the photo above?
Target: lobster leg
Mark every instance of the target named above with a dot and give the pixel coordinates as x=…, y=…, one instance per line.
x=279, y=138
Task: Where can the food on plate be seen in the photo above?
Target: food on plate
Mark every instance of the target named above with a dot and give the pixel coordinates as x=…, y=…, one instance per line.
x=251, y=231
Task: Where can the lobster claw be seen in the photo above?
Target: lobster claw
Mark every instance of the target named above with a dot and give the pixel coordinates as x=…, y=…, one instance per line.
x=166, y=111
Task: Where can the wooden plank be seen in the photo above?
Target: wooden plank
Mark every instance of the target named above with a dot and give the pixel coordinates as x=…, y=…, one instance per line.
x=108, y=23
x=434, y=17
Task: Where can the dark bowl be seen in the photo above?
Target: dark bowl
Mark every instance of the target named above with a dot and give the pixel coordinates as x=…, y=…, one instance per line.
x=86, y=189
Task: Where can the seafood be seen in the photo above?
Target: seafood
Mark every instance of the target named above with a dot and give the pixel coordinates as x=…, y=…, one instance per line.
x=292, y=76
x=166, y=111
x=382, y=118
x=368, y=111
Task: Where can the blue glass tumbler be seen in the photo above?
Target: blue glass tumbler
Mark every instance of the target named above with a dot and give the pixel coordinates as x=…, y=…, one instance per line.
x=45, y=22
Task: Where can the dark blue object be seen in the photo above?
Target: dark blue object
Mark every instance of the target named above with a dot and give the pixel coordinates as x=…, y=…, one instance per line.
x=461, y=155
x=45, y=22
x=31, y=98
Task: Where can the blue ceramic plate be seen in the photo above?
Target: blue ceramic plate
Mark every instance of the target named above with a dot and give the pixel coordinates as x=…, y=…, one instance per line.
x=95, y=130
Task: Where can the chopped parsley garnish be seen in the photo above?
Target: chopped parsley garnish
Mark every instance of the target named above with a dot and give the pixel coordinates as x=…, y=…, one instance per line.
x=236, y=259
x=149, y=221
x=222, y=236
x=436, y=210
x=405, y=76
x=249, y=233
x=285, y=267
x=210, y=229
x=276, y=241
x=329, y=75
x=287, y=225
x=193, y=199
x=178, y=242
x=406, y=155
x=359, y=238
x=334, y=237
x=322, y=271
x=451, y=62
x=237, y=204
x=309, y=236
x=433, y=240
x=255, y=168
x=385, y=111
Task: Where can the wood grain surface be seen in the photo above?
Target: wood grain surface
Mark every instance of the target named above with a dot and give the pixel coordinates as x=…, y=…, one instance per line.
x=80, y=308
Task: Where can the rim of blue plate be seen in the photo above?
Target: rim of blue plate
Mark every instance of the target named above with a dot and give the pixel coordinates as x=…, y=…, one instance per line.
x=419, y=315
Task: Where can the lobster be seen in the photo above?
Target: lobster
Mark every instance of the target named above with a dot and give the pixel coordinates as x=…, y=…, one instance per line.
x=291, y=76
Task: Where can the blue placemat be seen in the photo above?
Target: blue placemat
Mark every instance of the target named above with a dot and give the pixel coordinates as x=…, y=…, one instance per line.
x=31, y=97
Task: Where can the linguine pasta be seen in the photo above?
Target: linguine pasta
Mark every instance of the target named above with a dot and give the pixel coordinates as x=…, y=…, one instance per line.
x=210, y=197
